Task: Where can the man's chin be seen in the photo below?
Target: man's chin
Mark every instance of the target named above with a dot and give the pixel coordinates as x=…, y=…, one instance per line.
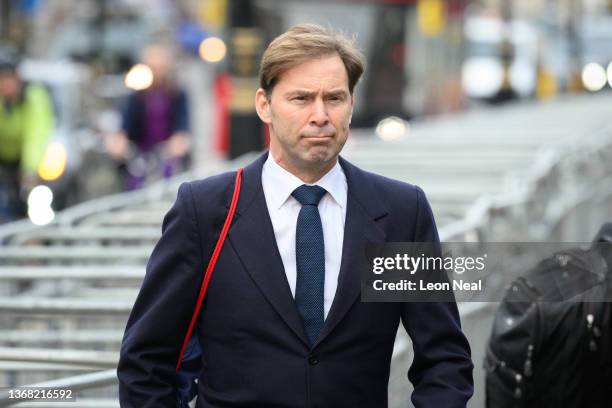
x=320, y=158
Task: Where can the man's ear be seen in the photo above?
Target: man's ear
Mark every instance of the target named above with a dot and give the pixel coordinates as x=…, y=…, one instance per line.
x=262, y=106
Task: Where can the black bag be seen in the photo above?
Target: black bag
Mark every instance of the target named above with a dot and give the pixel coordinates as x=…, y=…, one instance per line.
x=550, y=346
x=191, y=365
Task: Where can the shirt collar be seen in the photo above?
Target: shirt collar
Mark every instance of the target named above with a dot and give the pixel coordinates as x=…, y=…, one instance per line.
x=334, y=182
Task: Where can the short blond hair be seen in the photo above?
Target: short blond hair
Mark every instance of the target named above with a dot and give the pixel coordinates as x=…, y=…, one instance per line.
x=305, y=42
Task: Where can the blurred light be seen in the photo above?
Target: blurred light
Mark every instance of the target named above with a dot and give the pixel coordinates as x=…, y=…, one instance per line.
x=39, y=205
x=610, y=74
x=40, y=196
x=481, y=77
x=487, y=30
x=41, y=215
x=53, y=163
x=431, y=17
x=593, y=77
x=139, y=77
x=391, y=128
x=523, y=77
x=212, y=49
x=213, y=13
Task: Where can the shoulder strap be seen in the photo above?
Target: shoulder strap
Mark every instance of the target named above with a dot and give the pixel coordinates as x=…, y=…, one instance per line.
x=211, y=264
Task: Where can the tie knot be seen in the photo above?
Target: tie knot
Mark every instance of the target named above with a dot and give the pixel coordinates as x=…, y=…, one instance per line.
x=309, y=195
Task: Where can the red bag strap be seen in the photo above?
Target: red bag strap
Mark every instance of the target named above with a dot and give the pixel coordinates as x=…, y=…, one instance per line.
x=211, y=264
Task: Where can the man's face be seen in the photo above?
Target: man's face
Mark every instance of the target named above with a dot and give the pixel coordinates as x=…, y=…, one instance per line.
x=9, y=85
x=159, y=60
x=308, y=114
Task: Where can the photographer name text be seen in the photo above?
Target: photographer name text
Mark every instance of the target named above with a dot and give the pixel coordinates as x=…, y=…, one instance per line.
x=421, y=285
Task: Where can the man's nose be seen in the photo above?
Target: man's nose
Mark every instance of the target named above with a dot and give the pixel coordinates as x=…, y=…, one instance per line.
x=319, y=113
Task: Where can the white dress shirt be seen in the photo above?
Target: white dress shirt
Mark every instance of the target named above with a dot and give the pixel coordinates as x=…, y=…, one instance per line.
x=278, y=184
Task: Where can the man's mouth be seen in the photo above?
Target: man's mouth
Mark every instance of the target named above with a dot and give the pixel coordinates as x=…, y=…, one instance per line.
x=319, y=136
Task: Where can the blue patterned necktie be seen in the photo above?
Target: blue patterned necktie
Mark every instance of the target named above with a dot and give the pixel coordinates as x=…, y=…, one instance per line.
x=310, y=260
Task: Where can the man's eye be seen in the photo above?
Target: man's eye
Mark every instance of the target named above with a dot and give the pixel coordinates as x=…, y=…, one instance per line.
x=298, y=98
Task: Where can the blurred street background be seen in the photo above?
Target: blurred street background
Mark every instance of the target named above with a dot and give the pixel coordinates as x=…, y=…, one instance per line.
x=500, y=110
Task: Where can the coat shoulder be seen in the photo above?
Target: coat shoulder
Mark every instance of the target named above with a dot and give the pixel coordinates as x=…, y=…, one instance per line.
x=390, y=190
x=216, y=184
x=211, y=194
x=409, y=214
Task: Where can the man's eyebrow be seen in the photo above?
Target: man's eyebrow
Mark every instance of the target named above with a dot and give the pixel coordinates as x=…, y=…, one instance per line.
x=299, y=92
x=305, y=92
x=336, y=92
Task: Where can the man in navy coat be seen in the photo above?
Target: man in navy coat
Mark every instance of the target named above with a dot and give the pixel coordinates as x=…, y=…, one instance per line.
x=282, y=324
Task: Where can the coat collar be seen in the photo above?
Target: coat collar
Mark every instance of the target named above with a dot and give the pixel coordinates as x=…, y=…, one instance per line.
x=279, y=184
x=359, y=186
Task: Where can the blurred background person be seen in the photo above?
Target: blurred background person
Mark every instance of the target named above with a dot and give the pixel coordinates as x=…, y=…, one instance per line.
x=26, y=121
x=154, y=139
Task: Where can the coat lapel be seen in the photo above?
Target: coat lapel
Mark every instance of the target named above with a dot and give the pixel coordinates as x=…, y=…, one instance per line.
x=362, y=213
x=252, y=237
